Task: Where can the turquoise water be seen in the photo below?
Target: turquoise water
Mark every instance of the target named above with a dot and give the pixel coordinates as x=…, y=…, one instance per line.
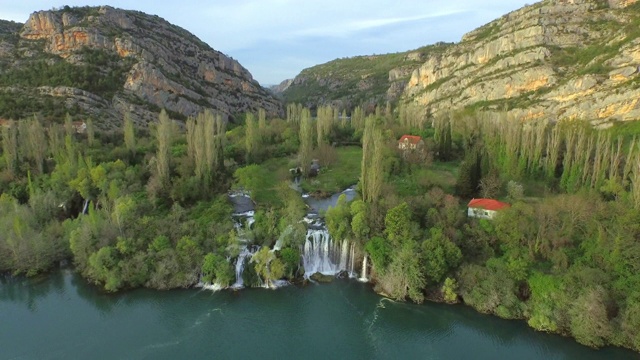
x=61, y=317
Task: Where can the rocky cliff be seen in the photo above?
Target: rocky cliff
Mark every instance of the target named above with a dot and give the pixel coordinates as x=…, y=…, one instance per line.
x=348, y=82
x=558, y=59
x=102, y=62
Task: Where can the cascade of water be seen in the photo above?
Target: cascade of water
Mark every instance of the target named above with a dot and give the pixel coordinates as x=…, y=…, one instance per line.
x=344, y=255
x=363, y=277
x=240, y=261
x=321, y=254
x=353, y=260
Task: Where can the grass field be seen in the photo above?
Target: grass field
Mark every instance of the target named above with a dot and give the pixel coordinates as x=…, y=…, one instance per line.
x=338, y=176
x=440, y=174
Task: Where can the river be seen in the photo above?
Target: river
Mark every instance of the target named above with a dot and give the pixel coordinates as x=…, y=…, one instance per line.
x=61, y=317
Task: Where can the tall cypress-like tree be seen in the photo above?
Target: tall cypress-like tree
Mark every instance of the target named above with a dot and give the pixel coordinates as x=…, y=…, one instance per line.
x=37, y=144
x=10, y=147
x=469, y=175
x=91, y=132
x=306, y=141
x=372, y=167
x=163, y=155
x=251, y=138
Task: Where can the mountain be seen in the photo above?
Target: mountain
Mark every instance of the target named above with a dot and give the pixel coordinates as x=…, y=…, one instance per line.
x=280, y=88
x=557, y=59
x=349, y=82
x=103, y=62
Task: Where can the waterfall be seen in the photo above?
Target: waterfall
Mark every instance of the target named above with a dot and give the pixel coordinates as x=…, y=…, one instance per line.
x=321, y=254
x=245, y=252
x=363, y=278
x=344, y=254
x=353, y=256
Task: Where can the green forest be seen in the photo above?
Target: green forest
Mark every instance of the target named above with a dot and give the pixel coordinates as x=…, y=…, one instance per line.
x=148, y=207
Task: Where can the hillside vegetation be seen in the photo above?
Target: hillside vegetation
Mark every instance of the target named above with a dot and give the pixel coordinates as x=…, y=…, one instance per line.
x=358, y=80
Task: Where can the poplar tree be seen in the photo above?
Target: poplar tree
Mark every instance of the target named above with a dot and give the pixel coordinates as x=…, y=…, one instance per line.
x=37, y=144
x=372, y=166
x=56, y=142
x=90, y=132
x=251, y=138
x=306, y=141
x=10, y=147
x=191, y=138
x=163, y=137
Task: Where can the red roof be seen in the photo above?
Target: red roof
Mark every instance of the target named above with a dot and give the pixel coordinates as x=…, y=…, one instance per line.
x=414, y=139
x=487, y=204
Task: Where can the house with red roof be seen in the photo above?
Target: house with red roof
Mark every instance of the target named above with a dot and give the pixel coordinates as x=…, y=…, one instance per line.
x=410, y=142
x=485, y=208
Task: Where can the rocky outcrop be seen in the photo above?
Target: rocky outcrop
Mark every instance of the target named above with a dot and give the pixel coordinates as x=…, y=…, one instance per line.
x=282, y=87
x=575, y=59
x=164, y=65
x=359, y=80
x=556, y=59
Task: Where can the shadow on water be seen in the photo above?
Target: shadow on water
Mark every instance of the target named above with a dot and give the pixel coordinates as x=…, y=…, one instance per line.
x=29, y=291
x=485, y=333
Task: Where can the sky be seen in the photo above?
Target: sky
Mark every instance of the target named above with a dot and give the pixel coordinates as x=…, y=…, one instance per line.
x=276, y=39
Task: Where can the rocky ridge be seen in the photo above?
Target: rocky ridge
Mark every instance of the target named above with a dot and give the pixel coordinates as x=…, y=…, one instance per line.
x=557, y=59
x=160, y=66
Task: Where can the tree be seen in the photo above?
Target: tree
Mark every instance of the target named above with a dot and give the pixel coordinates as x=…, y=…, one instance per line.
x=490, y=185
x=91, y=136
x=216, y=269
x=129, y=134
x=251, y=138
x=399, y=227
x=440, y=254
x=37, y=144
x=449, y=289
x=469, y=175
x=379, y=251
x=405, y=276
x=10, y=147
x=291, y=259
x=338, y=219
x=268, y=266
x=372, y=168
x=359, y=224
x=163, y=155
x=306, y=142
x=589, y=320
x=515, y=190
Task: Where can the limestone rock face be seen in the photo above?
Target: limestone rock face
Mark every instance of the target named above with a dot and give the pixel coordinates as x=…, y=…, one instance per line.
x=163, y=66
x=555, y=59
x=575, y=59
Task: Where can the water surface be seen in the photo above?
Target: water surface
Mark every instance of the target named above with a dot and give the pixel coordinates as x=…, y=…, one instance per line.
x=60, y=316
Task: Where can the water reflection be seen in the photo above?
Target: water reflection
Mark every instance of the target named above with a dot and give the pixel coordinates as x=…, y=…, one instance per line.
x=28, y=291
